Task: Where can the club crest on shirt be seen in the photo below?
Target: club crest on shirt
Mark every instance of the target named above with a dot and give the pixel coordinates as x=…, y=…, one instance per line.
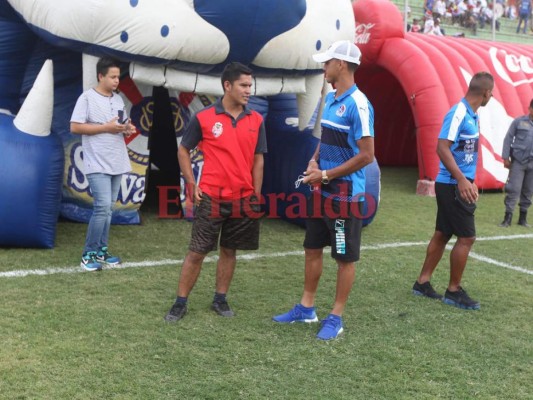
x=340, y=112
x=217, y=129
x=469, y=149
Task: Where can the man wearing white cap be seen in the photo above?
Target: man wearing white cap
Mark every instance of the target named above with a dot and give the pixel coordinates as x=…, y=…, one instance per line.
x=338, y=167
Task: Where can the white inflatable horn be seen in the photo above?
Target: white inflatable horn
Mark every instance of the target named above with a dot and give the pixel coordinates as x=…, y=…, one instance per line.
x=35, y=115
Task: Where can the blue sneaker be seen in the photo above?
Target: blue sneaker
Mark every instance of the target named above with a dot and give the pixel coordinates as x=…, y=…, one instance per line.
x=331, y=328
x=297, y=314
x=89, y=263
x=104, y=257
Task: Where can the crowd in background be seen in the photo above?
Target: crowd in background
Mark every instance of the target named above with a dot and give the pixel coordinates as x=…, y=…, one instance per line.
x=472, y=14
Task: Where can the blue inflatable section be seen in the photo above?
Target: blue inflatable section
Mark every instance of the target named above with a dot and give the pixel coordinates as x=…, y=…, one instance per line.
x=16, y=44
x=373, y=192
x=289, y=151
x=239, y=27
x=30, y=192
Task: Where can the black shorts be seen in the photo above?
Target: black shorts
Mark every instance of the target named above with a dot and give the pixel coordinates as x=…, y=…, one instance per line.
x=454, y=216
x=229, y=220
x=334, y=223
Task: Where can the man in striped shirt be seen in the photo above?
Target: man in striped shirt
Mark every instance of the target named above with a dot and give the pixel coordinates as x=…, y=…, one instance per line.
x=456, y=193
x=338, y=167
x=100, y=117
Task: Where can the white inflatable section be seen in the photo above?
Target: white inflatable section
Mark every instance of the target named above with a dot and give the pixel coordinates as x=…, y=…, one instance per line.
x=90, y=78
x=307, y=32
x=172, y=30
x=103, y=22
x=307, y=102
x=317, y=129
x=208, y=84
x=35, y=115
x=153, y=75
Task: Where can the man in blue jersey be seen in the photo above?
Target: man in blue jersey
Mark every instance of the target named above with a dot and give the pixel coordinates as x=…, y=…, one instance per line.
x=338, y=167
x=456, y=193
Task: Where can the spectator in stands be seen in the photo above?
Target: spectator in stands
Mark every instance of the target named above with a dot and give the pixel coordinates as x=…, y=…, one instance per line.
x=468, y=18
x=510, y=12
x=524, y=12
x=486, y=18
x=461, y=12
x=437, y=31
x=428, y=5
x=439, y=9
x=429, y=24
x=455, y=13
x=477, y=10
x=415, y=27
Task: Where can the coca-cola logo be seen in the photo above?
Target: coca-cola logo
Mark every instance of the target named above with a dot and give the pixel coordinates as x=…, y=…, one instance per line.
x=512, y=67
x=362, y=33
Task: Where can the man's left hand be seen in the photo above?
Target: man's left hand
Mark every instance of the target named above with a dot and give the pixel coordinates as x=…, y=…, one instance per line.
x=312, y=175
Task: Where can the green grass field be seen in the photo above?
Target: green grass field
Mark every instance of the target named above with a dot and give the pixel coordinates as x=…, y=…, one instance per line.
x=73, y=335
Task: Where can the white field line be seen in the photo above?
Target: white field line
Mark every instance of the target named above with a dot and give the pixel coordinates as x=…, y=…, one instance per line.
x=499, y=263
x=254, y=256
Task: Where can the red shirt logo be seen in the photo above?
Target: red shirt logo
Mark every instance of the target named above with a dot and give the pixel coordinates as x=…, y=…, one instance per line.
x=217, y=129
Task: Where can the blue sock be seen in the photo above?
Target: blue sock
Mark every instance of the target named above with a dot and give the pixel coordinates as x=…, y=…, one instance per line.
x=181, y=300
x=307, y=308
x=219, y=297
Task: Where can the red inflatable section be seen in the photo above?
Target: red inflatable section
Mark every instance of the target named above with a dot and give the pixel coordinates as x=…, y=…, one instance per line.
x=413, y=79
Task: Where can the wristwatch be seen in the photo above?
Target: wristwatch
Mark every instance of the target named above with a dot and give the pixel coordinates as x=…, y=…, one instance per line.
x=325, y=179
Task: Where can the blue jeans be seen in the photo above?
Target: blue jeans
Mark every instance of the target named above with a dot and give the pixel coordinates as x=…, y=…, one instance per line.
x=522, y=18
x=104, y=189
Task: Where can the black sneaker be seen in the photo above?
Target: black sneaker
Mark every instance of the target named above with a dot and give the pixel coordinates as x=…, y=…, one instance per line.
x=176, y=313
x=425, y=289
x=461, y=300
x=222, y=309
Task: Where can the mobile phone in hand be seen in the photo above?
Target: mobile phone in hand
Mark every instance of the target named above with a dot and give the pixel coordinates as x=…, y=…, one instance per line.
x=122, y=119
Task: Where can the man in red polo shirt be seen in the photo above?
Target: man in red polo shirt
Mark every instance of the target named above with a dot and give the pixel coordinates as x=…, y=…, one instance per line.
x=232, y=138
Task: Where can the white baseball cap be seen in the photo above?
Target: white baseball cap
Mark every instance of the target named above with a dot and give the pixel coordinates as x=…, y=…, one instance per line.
x=341, y=50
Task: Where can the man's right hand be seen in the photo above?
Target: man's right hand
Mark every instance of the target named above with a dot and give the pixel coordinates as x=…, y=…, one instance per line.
x=507, y=164
x=197, y=195
x=468, y=190
x=114, y=127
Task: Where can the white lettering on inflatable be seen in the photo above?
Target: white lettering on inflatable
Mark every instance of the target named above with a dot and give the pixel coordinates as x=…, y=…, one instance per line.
x=526, y=64
x=197, y=166
x=362, y=33
x=126, y=185
x=513, y=64
x=132, y=188
x=77, y=179
x=139, y=194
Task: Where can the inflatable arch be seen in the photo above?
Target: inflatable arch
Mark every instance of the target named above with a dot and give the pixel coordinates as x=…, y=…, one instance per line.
x=413, y=79
x=172, y=50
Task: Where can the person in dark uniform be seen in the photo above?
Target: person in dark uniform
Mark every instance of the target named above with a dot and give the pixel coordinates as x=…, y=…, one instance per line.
x=517, y=156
